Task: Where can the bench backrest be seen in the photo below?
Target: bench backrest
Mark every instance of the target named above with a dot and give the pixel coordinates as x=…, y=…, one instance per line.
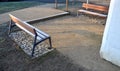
x=28, y=28
x=22, y=25
x=95, y=7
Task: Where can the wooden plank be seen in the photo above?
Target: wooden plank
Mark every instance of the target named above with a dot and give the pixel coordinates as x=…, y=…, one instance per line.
x=28, y=28
x=21, y=24
x=95, y=7
x=93, y=13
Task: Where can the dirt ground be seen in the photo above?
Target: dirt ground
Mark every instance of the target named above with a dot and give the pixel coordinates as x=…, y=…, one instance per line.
x=78, y=38
x=66, y=32
x=77, y=41
x=12, y=58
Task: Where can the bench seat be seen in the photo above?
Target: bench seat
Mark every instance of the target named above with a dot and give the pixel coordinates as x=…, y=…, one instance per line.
x=90, y=12
x=41, y=35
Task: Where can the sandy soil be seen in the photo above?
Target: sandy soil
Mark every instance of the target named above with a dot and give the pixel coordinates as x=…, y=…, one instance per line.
x=78, y=38
x=69, y=29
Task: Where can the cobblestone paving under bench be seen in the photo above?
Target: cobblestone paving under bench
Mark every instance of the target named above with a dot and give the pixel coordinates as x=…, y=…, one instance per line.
x=25, y=41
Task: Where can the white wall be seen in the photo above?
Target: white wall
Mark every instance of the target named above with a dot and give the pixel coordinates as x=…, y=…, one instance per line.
x=110, y=48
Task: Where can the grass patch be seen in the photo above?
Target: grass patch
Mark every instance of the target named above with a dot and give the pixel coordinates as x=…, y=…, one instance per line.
x=12, y=6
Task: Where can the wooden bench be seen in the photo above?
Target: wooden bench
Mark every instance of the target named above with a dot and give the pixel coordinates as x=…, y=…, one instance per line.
x=93, y=9
x=39, y=36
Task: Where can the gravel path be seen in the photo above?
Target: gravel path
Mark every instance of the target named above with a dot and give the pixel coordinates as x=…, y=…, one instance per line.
x=25, y=41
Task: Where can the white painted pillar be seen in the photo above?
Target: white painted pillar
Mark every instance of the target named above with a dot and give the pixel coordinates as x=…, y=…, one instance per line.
x=110, y=48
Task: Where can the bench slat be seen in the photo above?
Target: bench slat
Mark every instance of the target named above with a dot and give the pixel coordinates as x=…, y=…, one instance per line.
x=96, y=10
x=94, y=13
x=95, y=7
x=29, y=28
x=21, y=25
x=38, y=31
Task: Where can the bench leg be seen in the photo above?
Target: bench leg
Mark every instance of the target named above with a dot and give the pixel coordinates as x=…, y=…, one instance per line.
x=10, y=26
x=34, y=44
x=77, y=13
x=50, y=43
x=33, y=50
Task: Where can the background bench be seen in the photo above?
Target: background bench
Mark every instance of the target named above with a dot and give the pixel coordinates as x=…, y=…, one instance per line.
x=39, y=36
x=93, y=9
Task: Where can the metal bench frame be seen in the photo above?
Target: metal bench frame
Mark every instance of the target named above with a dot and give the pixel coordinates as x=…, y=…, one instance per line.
x=35, y=32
